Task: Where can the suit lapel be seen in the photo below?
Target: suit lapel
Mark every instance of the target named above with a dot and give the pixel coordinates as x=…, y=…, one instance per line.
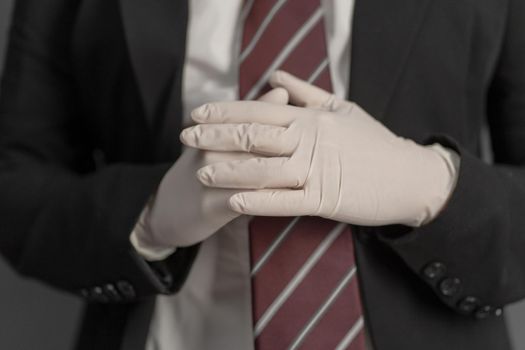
x=383, y=34
x=156, y=36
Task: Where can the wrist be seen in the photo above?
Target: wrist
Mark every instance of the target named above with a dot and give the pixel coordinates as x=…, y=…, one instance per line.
x=143, y=241
x=441, y=173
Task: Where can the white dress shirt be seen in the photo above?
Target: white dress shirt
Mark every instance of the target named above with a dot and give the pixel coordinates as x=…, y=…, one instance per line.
x=213, y=309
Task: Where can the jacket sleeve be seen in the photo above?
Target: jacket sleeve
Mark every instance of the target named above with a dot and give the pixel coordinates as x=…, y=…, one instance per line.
x=473, y=253
x=62, y=221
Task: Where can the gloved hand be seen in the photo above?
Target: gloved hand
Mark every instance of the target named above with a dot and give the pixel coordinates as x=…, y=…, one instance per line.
x=183, y=211
x=328, y=158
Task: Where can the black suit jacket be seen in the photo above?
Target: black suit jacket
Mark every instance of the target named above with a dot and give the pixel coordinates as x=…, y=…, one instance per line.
x=90, y=113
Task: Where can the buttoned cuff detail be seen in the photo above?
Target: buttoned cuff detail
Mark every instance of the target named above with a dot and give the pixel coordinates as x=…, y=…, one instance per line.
x=445, y=252
x=450, y=289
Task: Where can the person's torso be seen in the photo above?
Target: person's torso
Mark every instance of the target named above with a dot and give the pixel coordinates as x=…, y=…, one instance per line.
x=422, y=67
x=213, y=309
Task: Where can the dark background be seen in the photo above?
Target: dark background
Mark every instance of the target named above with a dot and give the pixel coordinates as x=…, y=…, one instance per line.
x=34, y=317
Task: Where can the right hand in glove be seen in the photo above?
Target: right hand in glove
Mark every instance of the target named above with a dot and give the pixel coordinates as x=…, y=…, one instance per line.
x=184, y=212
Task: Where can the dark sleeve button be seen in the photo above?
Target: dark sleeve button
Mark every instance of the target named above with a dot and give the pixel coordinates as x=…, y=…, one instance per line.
x=112, y=292
x=434, y=270
x=483, y=312
x=467, y=305
x=126, y=290
x=98, y=295
x=84, y=292
x=450, y=287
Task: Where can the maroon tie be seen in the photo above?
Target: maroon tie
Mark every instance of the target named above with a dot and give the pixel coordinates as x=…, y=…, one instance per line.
x=305, y=292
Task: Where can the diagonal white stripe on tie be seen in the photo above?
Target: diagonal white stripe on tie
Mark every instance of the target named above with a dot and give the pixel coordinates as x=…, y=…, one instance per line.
x=283, y=55
x=260, y=31
x=350, y=336
x=297, y=279
x=273, y=247
x=317, y=72
x=323, y=309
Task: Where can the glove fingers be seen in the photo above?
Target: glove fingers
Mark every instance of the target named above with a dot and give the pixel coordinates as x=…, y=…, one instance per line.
x=211, y=157
x=301, y=93
x=256, y=173
x=304, y=94
x=270, y=203
x=245, y=137
x=278, y=96
x=246, y=112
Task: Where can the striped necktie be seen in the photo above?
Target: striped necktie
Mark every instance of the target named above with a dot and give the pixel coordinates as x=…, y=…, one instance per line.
x=305, y=292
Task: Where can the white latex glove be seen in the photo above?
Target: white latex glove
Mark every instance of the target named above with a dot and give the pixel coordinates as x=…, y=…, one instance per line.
x=183, y=211
x=328, y=158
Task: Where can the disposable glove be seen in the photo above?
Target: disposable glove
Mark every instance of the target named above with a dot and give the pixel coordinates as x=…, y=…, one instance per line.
x=183, y=211
x=328, y=158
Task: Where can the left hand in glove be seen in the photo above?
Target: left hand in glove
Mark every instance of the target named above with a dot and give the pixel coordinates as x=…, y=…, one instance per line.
x=326, y=157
